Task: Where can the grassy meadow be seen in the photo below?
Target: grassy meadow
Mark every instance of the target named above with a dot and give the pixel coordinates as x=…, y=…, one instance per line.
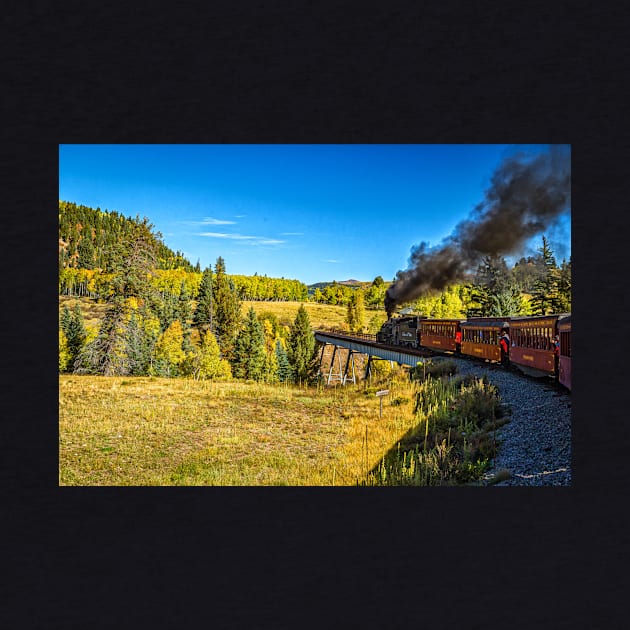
x=156, y=431
x=150, y=431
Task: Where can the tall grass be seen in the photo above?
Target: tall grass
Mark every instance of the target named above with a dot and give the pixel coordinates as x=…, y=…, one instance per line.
x=454, y=439
x=158, y=431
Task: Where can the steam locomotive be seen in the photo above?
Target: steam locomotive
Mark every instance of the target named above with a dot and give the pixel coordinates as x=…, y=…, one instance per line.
x=532, y=348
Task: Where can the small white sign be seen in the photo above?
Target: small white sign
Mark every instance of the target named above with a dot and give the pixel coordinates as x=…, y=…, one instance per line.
x=383, y=392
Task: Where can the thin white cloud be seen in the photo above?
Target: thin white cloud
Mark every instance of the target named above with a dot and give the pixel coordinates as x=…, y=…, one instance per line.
x=252, y=240
x=332, y=261
x=213, y=221
x=292, y=234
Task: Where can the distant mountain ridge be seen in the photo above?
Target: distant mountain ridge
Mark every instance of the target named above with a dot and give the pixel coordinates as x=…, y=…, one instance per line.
x=323, y=285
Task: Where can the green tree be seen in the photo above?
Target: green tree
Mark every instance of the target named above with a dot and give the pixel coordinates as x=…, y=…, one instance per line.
x=301, y=347
x=227, y=311
x=249, y=351
x=184, y=314
x=85, y=249
x=132, y=262
x=139, y=346
x=167, y=309
x=494, y=292
x=545, y=295
x=355, y=314
x=75, y=332
x=285, y=373
x=65, y=319
x=204, y=312
x=106, y=354
x=563, y=304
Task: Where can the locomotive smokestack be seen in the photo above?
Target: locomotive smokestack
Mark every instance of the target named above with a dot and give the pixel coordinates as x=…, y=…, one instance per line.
x=525, y=197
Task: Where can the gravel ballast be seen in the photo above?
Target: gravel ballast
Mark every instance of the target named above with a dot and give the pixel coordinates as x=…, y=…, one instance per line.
x=535, y=445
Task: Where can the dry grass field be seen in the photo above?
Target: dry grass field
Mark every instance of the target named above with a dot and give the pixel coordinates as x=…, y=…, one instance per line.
x=122, y=431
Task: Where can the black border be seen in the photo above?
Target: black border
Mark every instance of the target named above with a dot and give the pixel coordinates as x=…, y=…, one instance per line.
x=281, y=72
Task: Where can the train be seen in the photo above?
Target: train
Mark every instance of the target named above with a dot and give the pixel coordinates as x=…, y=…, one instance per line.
x=540, y=345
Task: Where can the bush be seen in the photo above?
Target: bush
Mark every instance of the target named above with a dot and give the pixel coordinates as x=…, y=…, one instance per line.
x=434, y=368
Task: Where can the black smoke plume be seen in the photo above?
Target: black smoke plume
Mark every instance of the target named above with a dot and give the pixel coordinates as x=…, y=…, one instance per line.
x=526, y=196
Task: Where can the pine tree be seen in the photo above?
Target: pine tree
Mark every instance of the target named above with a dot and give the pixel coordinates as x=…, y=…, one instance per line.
x=563, y=303
x=133, y=262
x=285, y=373
x=301, y=346
x=138, y=347
x=249, y=351
x=106, y=354
x=167, y=310
x=184, y=313
x=75, y=332
x=65, y=319
x=227, y=311
x=204, y=312
x=545, y=295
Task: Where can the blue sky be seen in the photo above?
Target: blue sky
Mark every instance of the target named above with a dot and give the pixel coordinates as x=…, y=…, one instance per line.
x=310, y=212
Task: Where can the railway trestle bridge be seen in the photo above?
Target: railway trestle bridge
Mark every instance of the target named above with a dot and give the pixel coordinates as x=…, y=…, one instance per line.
x=363, y=344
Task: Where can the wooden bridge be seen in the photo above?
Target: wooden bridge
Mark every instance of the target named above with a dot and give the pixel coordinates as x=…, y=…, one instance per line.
x=361, y=343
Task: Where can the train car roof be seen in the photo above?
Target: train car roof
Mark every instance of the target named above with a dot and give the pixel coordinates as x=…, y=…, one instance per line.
x=564, y=322
x=522, y=318
x=486, y=322
x=441, y=321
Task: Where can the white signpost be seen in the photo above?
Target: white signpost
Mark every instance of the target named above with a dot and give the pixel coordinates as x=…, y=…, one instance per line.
x=380, y=394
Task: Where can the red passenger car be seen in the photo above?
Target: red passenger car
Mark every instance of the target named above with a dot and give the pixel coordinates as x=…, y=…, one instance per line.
x=532, y=341
x=440, y=334
x=480, y=337
x=564, y=330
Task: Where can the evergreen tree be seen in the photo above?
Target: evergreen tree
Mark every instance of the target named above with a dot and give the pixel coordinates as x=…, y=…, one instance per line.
x=138, y=347
x=494, y=292
x=65, y=320
x=106, y=354
x=167, y=310
x=563, y=304
x=86, y=253
x=184, y=313
x=227, y=311
x=204, y=312
x=284, y=367
x=75, y=332
x=301, y=346
x=134, y=261
x=545, y=295
x=249, y=351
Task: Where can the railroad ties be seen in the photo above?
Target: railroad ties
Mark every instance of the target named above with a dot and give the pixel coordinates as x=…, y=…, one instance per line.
x=346, y=346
